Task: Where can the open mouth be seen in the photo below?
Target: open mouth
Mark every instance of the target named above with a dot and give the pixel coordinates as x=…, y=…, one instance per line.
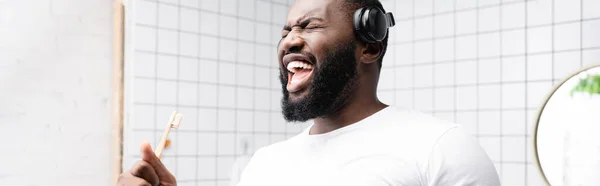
x=299, y=75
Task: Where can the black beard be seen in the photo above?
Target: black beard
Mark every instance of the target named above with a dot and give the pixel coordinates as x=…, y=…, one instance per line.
x=332, y=87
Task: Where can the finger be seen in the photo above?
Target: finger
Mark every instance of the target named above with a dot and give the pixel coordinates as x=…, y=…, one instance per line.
x=149, y=156
x=145, y=171
x=127, y=179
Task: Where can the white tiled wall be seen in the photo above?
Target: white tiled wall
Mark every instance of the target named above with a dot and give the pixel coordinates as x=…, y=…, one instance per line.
x=213, y=61
x=487, y=64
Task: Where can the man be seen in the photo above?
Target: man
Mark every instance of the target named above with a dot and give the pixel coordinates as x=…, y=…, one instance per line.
x=329, y=73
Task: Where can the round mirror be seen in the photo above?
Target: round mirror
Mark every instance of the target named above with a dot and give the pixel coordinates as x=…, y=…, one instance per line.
x=567, y=136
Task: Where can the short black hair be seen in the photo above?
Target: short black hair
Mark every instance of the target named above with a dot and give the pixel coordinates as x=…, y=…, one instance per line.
x=353, y=5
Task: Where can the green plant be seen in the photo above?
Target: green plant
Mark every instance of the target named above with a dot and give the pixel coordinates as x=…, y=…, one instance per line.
x=589, y=85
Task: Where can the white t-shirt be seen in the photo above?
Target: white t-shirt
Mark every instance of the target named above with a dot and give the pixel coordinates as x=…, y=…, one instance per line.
x=390, y=148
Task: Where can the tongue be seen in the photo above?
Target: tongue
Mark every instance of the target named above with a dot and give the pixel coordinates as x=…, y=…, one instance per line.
x=300, y=75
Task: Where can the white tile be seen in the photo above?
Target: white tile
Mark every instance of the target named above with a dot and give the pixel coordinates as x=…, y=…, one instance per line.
x=423, y=28
x=444, y=24
x=226, y=118
x=145, y=12
x=489, y=71
x=424, y=76
x=423, y=99
x=443, y=6
x=423, y=52
x=144, y=90
x=188, y=69
x=389, y=6
x=225, y=96
x=264, y=14
x=227, y=50
x=513, y=68
x=466, y=98
x=191, y=118
x=277, y=123
x=513, y=42
x=276, y=100
x=590, y=9
x=466, y=47
x=172, y=2
x=513, y=149
x=224, y=165
x=444, y=99
x=208, y=71
x=464, y=4
x=466, y=72
x=484, y=3
x=444, y=49
x=468, y=121
x=190, y=3
x=207, y=119
x=245, y=75
x=539, y=12
x=514, y=174
x=539, y=39
x=513, y=95
x=423, y=7
x=144, y=64
x=446, y=116
x=404, y=77
x=261, y=122
x=208, y=47
x=246, y=9
x=246, y=30
x=532, y=116
x=404, y=99
x=591, y=38
x=189, y=20
x=404, y=9
x=186, y=168
x=261, y=77
x=245, y=98
x=145, y=38
x=489, y=96
x=567, y=10
x=209, y=23
x=169, y=162
x=404, y=54
x=141, y=119
x=229, y=28
x=566, y=63
x=188, y=94
x=188, y=44
x=386, y=80
x=227, y=73
x=167, y=41
x=536, y=93
x=186, y=143
x=263, y=33
x=513, y=122
x=489, y=19
x=167, y=16
x=226, y=144
x=228, y=7
x=245, y=121
x=389, y=59
x=534, y=176
x=166, y=92
x=567, y=36
x=279, y=14
x=590, y=57
x=404, y=30
x=466, y=22
x=208, y=95
x=244, y=143
x=539, y=67
x=262, y=54
x=386, y=97
x=513, y=15
x=491, y=145
x=444, y=74
x=212, y=5
x=277, y=138
x=167, y=67
x=261, y=140
x=489, y=45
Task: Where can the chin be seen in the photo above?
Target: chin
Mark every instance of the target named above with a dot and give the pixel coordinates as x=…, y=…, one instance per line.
x=297, y=96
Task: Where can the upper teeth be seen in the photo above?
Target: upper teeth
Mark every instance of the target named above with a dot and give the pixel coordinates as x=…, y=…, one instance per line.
x=295, y=65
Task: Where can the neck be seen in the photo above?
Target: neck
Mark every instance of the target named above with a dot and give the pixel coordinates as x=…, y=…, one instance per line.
x=355, y=111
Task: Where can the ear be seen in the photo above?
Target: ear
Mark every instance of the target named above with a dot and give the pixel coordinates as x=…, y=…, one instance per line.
x=371, y=52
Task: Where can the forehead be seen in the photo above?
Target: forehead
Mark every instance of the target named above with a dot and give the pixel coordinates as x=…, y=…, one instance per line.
x=318, y=8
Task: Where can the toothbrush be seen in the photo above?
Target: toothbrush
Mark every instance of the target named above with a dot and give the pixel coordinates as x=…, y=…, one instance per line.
x=174, y=122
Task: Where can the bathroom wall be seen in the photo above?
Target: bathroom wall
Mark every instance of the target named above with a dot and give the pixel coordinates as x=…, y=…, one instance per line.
x=213, y=61
x=488, y=65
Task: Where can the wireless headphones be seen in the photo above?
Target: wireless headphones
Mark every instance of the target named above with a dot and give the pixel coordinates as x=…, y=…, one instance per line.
x=371, y=24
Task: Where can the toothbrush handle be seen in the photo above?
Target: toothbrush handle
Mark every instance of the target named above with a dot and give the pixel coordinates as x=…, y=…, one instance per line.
x=163, y=141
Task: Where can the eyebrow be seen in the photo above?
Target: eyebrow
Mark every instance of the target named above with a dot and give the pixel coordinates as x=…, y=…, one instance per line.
x=304, y=20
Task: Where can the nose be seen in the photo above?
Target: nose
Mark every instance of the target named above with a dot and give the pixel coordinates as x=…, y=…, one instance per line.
x=293, y=43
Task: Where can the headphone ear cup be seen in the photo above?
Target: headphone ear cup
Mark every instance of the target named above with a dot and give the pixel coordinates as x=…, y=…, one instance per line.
x=359, y=25
x=377, y=24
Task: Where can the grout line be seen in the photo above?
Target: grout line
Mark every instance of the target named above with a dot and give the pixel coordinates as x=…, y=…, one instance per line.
x=207, y=59
x=413, y=65
x=236, y=89
x=477, y=58
x=581, y=34
x=454, y=84
x=198, y=70
x=433, y=58
x=526, y=87
x=202, y=83
x=154, y=140
x=217, y=133
x=451, y=12
x=178, y=48
x=500, y=100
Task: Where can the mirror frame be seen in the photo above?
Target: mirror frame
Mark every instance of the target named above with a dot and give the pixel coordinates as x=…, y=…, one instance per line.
x=541, y=110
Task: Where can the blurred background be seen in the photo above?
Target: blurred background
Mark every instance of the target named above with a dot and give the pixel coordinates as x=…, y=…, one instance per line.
x=485, y=64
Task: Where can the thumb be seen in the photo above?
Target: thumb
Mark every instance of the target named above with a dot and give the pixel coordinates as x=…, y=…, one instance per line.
x=149, y=156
